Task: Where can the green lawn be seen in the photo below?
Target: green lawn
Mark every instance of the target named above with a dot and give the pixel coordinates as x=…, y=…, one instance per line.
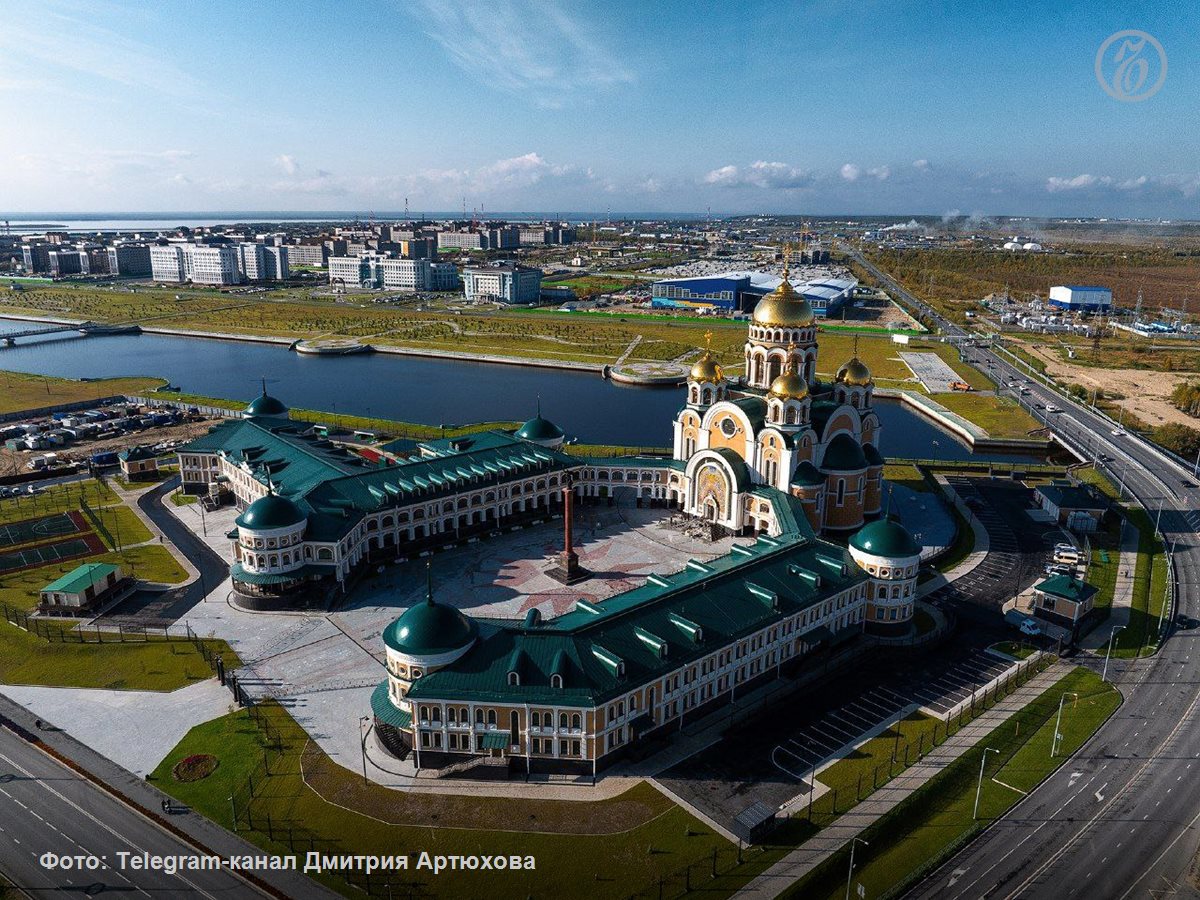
x=1000, y=417
x=181, y=499
x=907, y=475
x=24, y=391
x=118, y=525
x=645, y=837
x=1014, y=649
x=155, y=665
x=922, y=830
x=149, y=563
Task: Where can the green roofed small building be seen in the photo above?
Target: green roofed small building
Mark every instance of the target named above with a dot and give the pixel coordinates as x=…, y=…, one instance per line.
x=138, y=463
x=1064, y=601
x=886, y=551
x=83, y=589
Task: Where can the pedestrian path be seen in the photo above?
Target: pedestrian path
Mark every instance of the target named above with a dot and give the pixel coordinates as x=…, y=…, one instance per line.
x=1122, y=602
x=830, y=839
x=130, y=499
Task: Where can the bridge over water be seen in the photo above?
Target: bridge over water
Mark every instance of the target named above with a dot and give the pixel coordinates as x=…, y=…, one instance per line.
x=85, y=328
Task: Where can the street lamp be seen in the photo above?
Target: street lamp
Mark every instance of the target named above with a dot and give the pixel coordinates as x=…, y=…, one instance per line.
x=1058, y=722
x=854, y=842
x=1108, y=654
x=979, y=787
x=363, y=743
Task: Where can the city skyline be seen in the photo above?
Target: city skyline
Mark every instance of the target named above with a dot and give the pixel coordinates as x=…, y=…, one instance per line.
x=947, y=110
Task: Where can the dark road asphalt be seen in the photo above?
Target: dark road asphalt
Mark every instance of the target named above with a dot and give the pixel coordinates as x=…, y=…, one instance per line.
x=1120, y=819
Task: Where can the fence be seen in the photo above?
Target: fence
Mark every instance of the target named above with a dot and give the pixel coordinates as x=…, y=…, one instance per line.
x=94, y=633
x=809, y=818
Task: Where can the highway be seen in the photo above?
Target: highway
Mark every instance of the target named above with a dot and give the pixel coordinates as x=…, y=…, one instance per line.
x=1120, y=819
x=44, y=806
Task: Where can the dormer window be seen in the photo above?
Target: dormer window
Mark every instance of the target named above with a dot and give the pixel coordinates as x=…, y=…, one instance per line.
x=556, y=681
x=514, y=679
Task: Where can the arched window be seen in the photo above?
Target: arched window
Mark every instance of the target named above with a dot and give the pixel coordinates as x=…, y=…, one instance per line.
x=576, y=721
x=479, y=717
x=556, y=680
x=514, y=678
x=491, y=717
x=841, y=491
x=562, y=720
x=514, y=727
x=536, y=719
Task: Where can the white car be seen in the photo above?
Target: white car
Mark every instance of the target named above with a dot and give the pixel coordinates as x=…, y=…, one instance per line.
x=1051, y=408
x=1117, y=432
x=1031, y=628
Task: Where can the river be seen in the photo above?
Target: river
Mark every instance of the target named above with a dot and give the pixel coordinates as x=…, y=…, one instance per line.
x=413, y=389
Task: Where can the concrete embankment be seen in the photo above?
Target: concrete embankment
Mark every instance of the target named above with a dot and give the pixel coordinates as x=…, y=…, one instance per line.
x=976, y=437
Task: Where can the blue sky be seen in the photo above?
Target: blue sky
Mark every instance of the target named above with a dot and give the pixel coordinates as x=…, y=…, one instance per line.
x=808, y=107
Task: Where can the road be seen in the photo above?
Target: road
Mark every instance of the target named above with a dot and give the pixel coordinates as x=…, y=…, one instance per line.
x=44, y=806
x=1120, y=819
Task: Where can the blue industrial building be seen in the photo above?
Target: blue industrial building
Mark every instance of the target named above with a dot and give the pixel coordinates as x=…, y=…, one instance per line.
x=740, y=291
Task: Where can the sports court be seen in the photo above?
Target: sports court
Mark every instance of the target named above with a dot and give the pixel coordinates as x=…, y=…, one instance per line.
x=44, y=554
x=28, y=531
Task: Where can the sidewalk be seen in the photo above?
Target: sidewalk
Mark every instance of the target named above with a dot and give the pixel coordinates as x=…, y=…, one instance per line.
x=812, y=852
x=1122, y=600
x=130, y=499
x=196, y=829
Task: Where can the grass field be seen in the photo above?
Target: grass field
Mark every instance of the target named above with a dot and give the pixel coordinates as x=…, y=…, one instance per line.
x=19, y=390
x=1000, y=417
x=645, y=833
x=922, y=830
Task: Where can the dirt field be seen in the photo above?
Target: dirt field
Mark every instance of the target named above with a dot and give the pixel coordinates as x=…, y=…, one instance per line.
x=12, y=462
x=1147, y=393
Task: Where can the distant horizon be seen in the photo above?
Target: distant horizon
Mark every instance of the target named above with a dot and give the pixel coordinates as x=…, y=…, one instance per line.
x=583, y=215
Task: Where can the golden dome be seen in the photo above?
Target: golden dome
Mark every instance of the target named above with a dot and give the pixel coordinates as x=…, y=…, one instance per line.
x=784, y=307
x=706, y=369
x=855, y=372
x=789, y=386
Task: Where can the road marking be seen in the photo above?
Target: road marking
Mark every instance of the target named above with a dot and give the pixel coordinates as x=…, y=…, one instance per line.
x=42, y=784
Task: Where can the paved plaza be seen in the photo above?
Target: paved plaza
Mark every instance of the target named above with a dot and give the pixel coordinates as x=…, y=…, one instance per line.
x=323, y=667
x=134, y=729
x=932, y=371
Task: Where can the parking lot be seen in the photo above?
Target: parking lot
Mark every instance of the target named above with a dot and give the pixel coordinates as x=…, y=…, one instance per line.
x=770, y=757
x=1019, y=548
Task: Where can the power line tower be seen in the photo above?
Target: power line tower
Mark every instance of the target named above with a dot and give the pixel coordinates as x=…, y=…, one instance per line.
x=1137, y=309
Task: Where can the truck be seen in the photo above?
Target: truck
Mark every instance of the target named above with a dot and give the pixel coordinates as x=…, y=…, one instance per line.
x=960, y=386
x=107, y=458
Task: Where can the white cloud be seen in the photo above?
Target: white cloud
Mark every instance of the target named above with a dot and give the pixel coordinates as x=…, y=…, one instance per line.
x=921, y=165
x=880, y=172
x=760, y=174
x=851, y=172
x=1055, y=184
x=539, y=52
x=287, y=163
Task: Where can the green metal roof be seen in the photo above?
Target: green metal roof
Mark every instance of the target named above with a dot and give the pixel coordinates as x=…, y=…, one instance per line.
x=741, y=475
x=265, y=405
x=885, y=538
x=80, y=579
x=755, y=409
x=1066, y=588
x=139, y=452
x=844, y=454
x=539, y=429
x=1070, y=496
x=271, y=511
x=430, y=628
x=602, y=649
x=240, y=573
x=495, y=740
x=385, y=712
x=807, y=475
